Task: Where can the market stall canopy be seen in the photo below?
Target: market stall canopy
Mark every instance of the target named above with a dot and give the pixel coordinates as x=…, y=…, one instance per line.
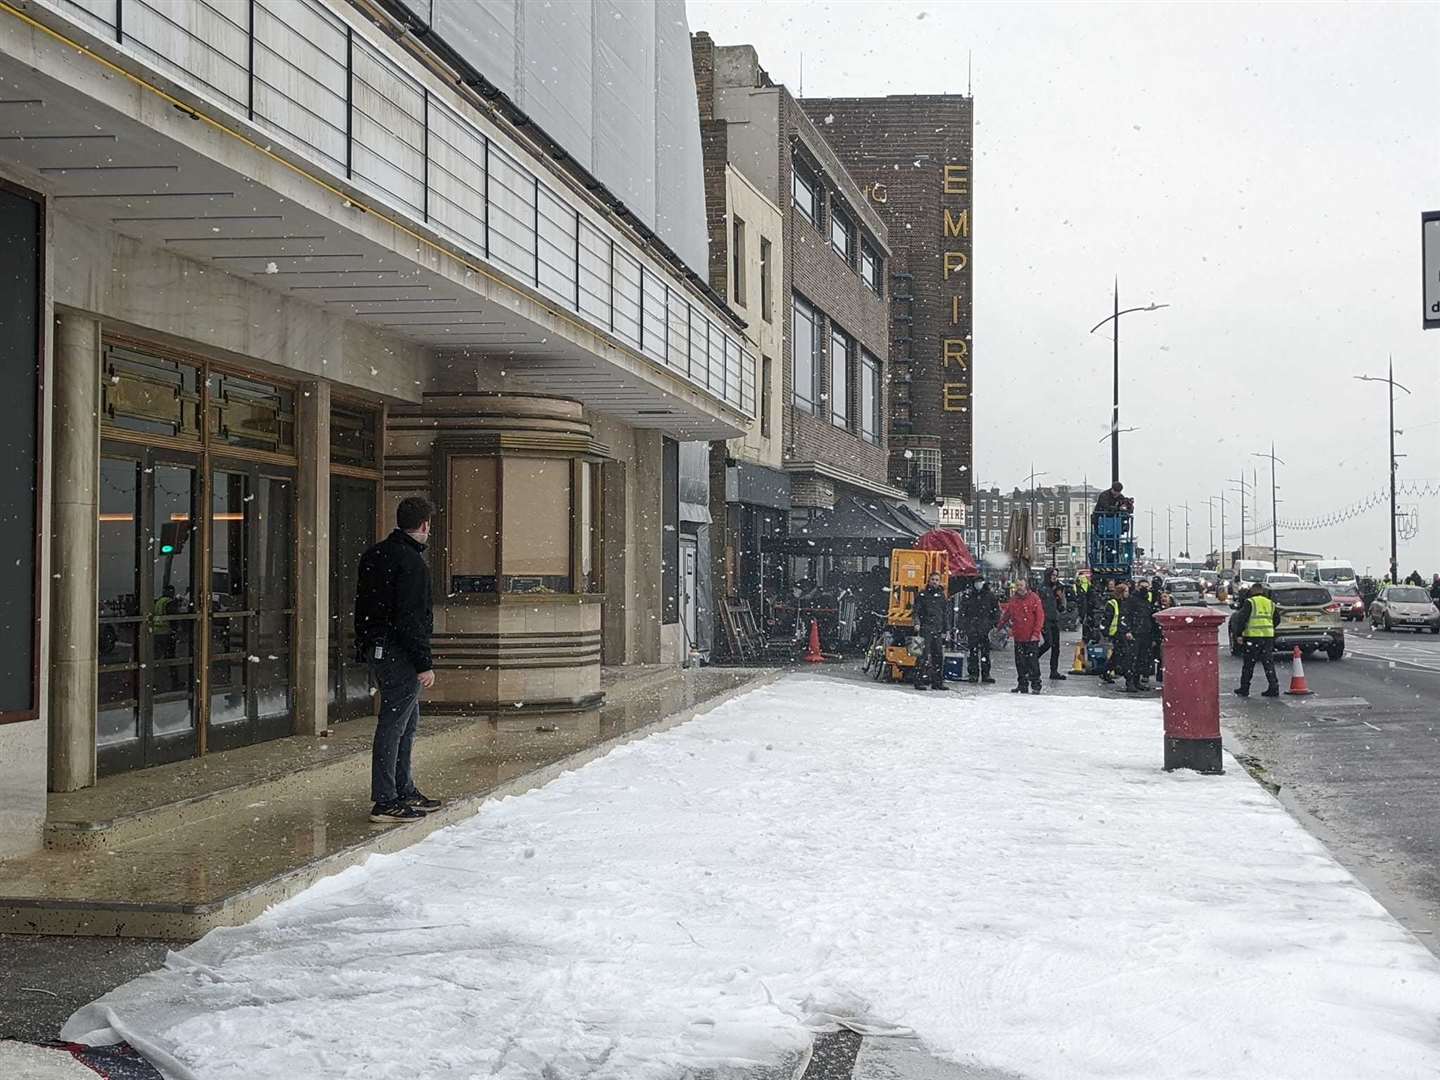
x=858, y=525
x=962, y=563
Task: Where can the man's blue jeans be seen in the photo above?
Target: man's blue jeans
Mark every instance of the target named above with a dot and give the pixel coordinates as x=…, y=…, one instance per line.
x=399, y=685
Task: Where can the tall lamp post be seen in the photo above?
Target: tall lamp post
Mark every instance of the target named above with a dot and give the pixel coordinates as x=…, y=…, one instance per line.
x=1115, y=409
x=1274, y=507
x=1394, y=546
x=1242, y=487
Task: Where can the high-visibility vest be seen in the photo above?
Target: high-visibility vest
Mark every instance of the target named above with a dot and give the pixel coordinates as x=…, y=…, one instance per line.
x=1114, y=606
x=1262, y=618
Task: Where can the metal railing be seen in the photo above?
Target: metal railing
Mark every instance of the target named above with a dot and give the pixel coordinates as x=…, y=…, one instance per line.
x=298, y=70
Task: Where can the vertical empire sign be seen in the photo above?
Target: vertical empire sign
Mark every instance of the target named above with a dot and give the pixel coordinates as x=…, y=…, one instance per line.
x=1430, y=264
x=955, y=275
x=20, y=249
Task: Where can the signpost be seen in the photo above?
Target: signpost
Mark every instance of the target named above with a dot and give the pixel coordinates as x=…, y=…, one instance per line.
x=1430, y=261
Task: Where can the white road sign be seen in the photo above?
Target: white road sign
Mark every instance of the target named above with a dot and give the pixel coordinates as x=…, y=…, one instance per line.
x=1430, y=258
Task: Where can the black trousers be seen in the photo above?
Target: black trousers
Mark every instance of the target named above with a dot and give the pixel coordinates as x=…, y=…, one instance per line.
x=979, y=661
x=1118, y=658
x=930, y=664
x=1051, y=644
x=1261, y=649
x=1142, y=660
x=1027, y=664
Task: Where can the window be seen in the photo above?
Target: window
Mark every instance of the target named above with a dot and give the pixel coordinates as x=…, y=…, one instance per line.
x=804, y=349
x=839, y=378
x=765, y=373
x=869, y=398
x=841, y=231
x=737, y=260
x=806, y=191
x=870, y=267
x=765, y=312
x=925, y=474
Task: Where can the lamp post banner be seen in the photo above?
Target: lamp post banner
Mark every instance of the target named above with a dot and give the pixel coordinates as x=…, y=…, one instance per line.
x=1430, y=258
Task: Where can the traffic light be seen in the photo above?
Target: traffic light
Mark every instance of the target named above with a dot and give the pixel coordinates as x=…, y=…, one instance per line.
x=173, y=535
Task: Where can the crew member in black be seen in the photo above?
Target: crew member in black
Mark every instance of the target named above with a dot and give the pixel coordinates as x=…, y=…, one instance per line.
x=932, y=622
x=393, y=623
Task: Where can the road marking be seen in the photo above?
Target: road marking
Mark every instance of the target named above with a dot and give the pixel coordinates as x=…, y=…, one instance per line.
x=1371, y=726
x=1327, y=703
x=1393, y=661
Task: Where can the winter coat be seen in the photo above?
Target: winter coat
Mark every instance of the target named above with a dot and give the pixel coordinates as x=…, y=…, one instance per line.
x=1138, y=615
x=1026, y=614
x=932, y=611
x=979, y=612
x=1435, y=591
x=392, y=601
x=1053, y=600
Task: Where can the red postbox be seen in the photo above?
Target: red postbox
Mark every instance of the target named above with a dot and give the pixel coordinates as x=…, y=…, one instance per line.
x=1192, y=689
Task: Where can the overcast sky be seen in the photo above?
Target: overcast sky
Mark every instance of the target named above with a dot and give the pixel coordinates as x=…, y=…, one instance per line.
x=1261, y=168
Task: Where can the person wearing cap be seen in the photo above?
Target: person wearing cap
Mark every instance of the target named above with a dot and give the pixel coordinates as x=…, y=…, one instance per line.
x=1111, y=501
x=1257, y=629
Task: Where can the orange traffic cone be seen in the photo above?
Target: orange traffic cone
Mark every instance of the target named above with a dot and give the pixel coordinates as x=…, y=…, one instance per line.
x=1298, y=685
x=813, y=655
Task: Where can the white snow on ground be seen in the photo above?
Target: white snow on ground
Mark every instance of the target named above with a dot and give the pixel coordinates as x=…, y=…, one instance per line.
x=1013, y=878
x=21, y=1061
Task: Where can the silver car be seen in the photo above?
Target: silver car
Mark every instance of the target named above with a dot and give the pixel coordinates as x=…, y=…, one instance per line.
x=1405, y=606
x=1184, y=591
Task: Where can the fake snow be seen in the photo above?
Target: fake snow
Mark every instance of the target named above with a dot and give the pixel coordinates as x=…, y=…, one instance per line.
x=1015, y=879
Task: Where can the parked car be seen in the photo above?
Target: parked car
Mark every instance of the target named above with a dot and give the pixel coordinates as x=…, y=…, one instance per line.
x=1305, y=615
x=1352, y=604
x=1405, y=606
x=1184, y=590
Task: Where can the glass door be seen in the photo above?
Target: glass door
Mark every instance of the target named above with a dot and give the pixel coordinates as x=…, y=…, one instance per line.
x=148, y=611
x=252, y=509
x=352, y=530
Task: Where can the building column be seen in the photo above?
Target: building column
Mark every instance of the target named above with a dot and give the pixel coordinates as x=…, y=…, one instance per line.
x=312, y=582
x=614, y=522
x=75, y=551
x=645, y=534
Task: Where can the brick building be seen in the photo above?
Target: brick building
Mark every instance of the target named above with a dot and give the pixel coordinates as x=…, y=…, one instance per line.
x=800, y=255
x=830, y=295
x=912, y=157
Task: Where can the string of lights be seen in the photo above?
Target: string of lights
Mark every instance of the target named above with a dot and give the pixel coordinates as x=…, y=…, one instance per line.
x=1416, y=489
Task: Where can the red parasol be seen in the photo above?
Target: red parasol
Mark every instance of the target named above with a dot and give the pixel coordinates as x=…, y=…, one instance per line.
x=962, y=563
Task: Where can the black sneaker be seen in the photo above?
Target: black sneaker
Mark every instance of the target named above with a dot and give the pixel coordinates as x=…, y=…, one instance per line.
x=986, y=679
x=1057, y=676
x=394, y=813
x=1242, y=693
x=1034, y=688
x=421, y=803
x=1274, y=691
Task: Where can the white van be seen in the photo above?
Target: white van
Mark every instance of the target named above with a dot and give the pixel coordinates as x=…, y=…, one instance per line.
x=1329, y=572
x=1248, y=572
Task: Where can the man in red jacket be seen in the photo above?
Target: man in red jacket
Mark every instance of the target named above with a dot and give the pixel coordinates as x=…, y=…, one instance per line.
x=1025, y=614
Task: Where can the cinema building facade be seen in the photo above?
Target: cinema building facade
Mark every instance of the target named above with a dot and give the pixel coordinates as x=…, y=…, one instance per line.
x=284, y=263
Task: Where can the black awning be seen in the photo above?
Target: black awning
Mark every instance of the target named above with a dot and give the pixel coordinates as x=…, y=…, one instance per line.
x=858, y=525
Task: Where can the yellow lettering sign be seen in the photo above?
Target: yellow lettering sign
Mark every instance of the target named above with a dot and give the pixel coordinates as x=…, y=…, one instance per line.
x=956, y=180
x=956, y=352
x=954, y=310
x=957, y=226
x=955, y=260
x=955, y=396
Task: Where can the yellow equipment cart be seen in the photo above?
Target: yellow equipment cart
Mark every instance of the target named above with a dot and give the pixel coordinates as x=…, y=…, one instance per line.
x=909, y=570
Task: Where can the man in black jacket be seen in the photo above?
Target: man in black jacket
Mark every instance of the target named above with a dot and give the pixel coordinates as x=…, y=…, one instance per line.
x=932, y=621
x=1052, y=596
x=393, y=623
x=979, y=614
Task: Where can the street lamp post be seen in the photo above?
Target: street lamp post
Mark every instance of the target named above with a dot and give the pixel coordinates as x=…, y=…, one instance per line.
x=1115, y=407
x=1242, y=486
x=1394, y=544
x=1169, y=534
x=1274, y=508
